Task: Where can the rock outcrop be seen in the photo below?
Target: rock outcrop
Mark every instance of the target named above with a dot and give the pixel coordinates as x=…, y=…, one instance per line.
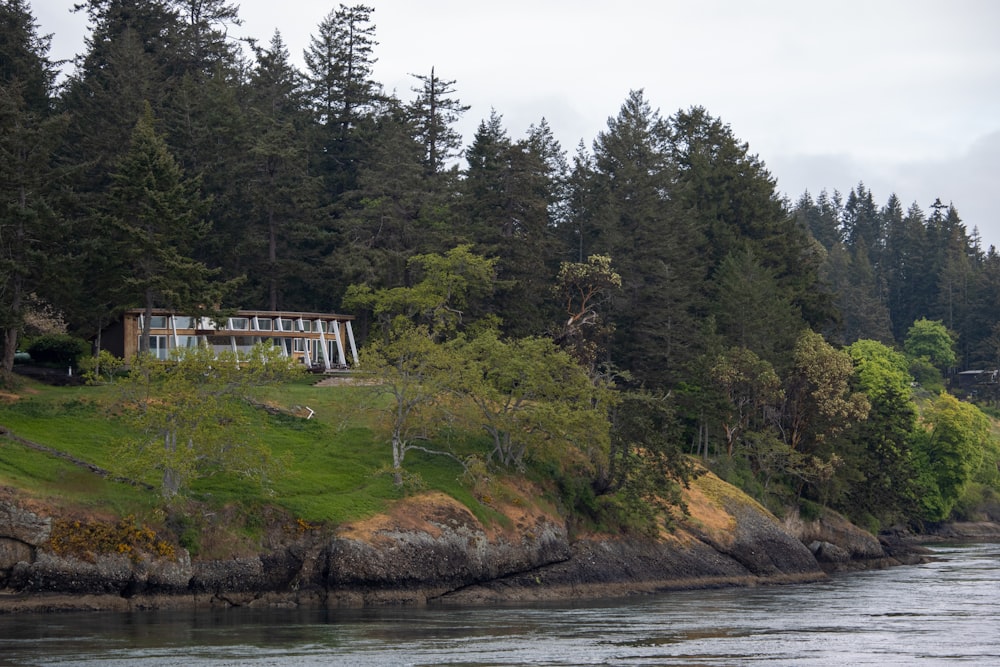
x=839, y=545
x=426, y=550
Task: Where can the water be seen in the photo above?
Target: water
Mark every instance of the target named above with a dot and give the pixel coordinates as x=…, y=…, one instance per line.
x=943, y=612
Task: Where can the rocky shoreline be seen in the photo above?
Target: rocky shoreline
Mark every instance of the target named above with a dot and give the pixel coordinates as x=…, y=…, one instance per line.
x=432, y=550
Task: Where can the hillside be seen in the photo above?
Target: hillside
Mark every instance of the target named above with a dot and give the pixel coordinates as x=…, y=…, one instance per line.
x=334, y=532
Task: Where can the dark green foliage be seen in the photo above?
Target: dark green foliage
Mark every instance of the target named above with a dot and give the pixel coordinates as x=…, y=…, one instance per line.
x=58, y=349
x=181, y=162
x=30, y=222
x=434, y=113
x=646, y=465
x=511, y=189
x=626, y=213
x=341, y=92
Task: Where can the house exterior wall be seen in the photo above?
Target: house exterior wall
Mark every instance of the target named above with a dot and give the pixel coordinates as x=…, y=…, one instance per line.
x=320, y=340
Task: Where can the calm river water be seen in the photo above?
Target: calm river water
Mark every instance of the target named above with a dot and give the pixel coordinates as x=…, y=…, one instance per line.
x=944, y=612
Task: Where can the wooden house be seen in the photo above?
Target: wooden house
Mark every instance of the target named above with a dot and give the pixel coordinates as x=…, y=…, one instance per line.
x=321, y=341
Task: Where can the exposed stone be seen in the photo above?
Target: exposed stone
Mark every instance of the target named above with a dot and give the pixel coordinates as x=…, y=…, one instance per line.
x=13, y=552
x=828, y=553
x=834, y=529
x=431, y=548
x=23, y=525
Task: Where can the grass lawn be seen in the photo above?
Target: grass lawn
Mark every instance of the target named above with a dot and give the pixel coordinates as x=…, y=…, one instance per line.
x=337, y=472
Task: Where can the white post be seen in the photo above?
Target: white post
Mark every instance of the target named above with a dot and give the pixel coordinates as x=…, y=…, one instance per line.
x=322, y=340
x=350, y=339
x=340, y=343
x=173, y=327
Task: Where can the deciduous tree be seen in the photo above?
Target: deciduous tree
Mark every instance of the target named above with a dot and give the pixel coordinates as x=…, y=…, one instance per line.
x=533, y=401
x=192, y=417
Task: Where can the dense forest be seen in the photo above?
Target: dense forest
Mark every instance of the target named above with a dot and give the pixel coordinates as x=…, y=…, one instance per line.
x=788, y=342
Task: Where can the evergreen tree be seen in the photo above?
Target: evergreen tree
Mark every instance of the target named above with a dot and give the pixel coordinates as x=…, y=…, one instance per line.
x=343, y=95
x=435, y=112
x=651, y=242
x=203, y=42
x=731, y=197
x=820, y=217
x=30, y=246
x=156, y=216
x=751, y=311
x=127, y=65
x=283, y=236
x=863, y=225
x=509, y=193
x=383, y=222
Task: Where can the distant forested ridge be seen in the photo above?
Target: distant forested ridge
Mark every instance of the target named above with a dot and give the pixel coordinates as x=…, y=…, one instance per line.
x=179, y=168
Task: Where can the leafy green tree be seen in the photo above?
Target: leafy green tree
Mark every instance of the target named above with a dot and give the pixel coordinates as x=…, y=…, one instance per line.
x=950, y=450
x=407, y=357
x=752, y=392
x=411, y=368
x=533, y=401
x=820, y=404
x=446, y=285
x=930, y=340
x=646, y=467
x=192, y=418
x=584, y=288
x=878, y=472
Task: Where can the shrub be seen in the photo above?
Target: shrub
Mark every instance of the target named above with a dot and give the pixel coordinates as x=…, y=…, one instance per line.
x=101, y=368
x=58, y=349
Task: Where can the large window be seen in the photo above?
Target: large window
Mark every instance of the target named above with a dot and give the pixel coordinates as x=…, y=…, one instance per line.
x=189, y=341
x=158, y=347
x=239, y=323
x=158, y=322
x=183, y=322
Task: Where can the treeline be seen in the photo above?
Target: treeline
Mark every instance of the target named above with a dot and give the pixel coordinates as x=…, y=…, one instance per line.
x=178, y=168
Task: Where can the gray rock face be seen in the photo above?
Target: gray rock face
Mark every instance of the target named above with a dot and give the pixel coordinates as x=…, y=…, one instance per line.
x=829, y=553
x=431, y=549
x=838, y=544
x=22, y=525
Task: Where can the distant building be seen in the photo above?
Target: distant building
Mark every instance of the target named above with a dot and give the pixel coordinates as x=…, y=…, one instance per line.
x=321, y=341
x=968, y=379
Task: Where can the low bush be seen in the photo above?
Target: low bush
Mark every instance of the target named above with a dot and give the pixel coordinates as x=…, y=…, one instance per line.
x=58, y=349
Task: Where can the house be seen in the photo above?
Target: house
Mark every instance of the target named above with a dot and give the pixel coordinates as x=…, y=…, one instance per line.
x=322, y=341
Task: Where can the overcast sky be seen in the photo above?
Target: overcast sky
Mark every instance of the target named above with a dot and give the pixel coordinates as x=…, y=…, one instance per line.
x=903, y=95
